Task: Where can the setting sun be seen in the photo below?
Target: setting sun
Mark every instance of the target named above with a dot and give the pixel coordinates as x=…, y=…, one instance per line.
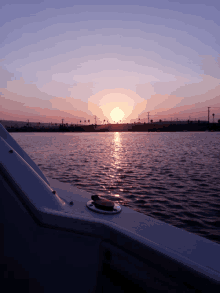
x=117, y=114
x=115, y=105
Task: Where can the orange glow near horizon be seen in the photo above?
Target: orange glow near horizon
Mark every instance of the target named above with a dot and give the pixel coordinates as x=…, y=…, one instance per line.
x=114, y=105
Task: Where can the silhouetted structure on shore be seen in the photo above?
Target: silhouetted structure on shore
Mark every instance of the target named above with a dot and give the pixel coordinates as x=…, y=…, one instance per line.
x=136, y=127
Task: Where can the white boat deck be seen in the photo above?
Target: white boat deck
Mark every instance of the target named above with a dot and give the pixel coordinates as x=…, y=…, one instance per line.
x=186, y=247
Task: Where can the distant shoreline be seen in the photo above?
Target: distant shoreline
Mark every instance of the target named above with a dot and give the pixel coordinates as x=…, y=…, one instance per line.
x=151, y=127
x=161, y=126
x=14, y=131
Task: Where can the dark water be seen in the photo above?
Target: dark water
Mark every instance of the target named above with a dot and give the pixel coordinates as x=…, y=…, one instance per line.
x=173, y=177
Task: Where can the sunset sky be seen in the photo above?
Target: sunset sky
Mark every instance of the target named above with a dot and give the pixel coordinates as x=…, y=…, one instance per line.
x=117, y=60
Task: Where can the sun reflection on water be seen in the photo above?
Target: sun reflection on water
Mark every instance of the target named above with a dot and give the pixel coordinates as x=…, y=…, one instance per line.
x=117, y=150
x=116, y=159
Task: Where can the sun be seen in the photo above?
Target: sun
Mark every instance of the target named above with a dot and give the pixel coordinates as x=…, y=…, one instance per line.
x=117, y=104
x=117, y=114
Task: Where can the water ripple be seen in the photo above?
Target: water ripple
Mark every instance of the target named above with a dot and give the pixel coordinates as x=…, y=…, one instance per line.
x=169, y=176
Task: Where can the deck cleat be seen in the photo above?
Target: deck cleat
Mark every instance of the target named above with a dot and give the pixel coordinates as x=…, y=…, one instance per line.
x=101, y=205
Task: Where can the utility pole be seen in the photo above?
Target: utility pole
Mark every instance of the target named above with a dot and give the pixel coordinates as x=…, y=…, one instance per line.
x=95, y=120
x=208, y=113
x=62, y=122
x=148, y=116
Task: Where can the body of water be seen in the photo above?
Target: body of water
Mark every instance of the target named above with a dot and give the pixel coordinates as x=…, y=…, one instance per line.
x=173, y=177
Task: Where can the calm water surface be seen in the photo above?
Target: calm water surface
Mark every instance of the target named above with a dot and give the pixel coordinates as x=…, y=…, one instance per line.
x=173, y=177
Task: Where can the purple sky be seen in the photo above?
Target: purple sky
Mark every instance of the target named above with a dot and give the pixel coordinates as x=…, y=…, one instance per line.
x=116, y=61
